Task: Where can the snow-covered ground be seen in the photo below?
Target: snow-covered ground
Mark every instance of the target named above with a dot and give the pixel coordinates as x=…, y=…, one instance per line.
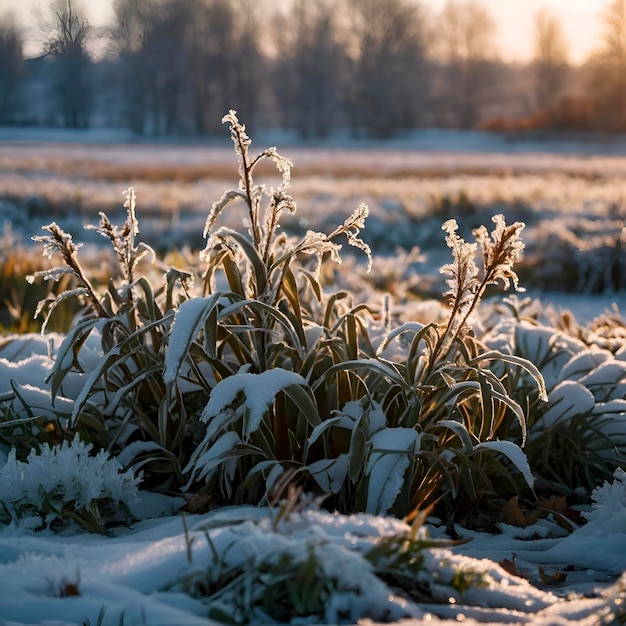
x=537, y=575
x=134, y=577
x=149, y=572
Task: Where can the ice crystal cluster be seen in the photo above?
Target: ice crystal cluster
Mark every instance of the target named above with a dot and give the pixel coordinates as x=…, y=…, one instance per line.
x=63, y=480
x=609, y=498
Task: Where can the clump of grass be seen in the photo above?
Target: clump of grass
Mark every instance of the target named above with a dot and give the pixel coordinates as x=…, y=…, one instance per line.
x=18, y=301
x=375, y=434
x=251, y=376
x=575, y=437
x=123, y=404
x=293, y=574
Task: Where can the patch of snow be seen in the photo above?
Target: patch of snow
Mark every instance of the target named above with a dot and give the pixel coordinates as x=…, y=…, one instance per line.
x=565, y=401
x=259, y=392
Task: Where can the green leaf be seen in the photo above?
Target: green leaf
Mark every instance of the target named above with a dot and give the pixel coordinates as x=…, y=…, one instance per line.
x=233, y=275
x=494, y=355
x=321, y=428
x=514, y=453
x=419, y=331
x=189, y=320
x=357, y=451
x=375, y=366
x=258, y=267
x=123, y=351
x=392, y=450
x=330, y=474
x=304, y=400
x=66, y=358
x=461, y=431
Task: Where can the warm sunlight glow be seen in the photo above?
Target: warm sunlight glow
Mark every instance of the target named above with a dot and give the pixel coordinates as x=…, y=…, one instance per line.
x=581, y=21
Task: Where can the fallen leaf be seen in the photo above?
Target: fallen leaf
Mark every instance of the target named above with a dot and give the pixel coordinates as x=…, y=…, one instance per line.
x=198, y=503
x=555, y=578
x=515, y=516
x=511, y=568
x=564, y=516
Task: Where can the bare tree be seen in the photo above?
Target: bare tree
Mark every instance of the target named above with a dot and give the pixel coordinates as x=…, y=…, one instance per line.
x=465, y=34
x=66, y=30
x=550, y=63
x=131, y=26
x=131, y=19
x=165, y=53
x=10, y=68
x=310, y=66
x=225, y=61
x=249, y=67
x=390, y=65
x=186, y=62
x=150, y=38
x=608, y=71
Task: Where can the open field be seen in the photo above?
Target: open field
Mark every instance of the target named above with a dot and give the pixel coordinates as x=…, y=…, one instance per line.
x=566, y=200
x=573, y=204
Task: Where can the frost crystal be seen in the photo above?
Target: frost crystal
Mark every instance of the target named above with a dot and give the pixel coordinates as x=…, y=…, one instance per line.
x=318, y=244
x=501, y=250
x=609, y=498
x=463, y=273
x=62, y=477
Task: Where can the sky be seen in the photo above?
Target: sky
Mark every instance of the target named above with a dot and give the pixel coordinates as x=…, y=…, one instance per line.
x=581, y=21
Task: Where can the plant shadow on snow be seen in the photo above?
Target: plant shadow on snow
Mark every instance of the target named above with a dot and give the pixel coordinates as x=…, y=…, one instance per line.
x=246, y=378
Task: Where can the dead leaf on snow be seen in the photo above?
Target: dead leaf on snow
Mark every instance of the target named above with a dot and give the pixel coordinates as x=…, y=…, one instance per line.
x=511, y=568
x=515, y=516
x=556, y=578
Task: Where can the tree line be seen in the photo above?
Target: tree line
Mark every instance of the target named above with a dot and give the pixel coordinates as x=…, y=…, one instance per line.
x=372, y=67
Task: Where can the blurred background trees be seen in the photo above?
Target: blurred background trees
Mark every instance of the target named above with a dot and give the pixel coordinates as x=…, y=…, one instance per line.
x=373, y=68
x=608, y=77
x=310, y=67
x=550, y=65
x=389, y=67
x=182, y=63
x=465, y=37
x=11, y=68
x=66, y=31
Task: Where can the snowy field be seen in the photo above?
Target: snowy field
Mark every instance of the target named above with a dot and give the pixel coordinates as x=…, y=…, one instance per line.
x=571, y=197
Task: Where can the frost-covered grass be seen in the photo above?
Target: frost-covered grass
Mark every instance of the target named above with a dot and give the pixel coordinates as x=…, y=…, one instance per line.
x=260, y=376
x=261, y=371
x=65, y=483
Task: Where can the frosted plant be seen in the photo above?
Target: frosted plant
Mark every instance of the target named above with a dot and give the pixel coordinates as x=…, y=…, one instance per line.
x=123, y=241
x=500, y=251
x=463, y=281
x=256, y=392
x=66, y=482
x=270, y=254
x=283, y=568
x=609, y=498
x=61, y=243
x=261, y=234
x=318, y=243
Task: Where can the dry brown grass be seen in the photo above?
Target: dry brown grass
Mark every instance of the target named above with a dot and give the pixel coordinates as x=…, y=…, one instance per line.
x=191, y=164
